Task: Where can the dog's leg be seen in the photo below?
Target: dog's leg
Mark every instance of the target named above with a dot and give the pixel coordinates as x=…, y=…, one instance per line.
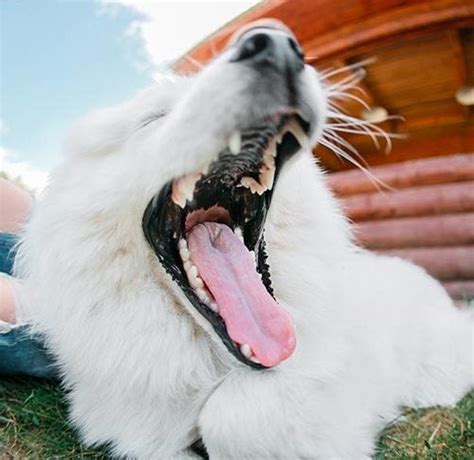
x=287, y=416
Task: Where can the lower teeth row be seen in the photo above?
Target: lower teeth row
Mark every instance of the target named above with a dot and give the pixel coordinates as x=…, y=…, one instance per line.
x=203, y=293
x=194, y=279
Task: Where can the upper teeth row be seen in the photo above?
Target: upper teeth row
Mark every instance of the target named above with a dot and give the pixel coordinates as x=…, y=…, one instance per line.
x=266, y=175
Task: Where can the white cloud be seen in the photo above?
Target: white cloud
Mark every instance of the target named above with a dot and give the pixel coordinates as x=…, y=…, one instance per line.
x=35, y=179
x=170, y=29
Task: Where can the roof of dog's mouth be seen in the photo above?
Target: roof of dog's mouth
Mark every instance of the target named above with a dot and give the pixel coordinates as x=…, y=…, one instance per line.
x=207, y=229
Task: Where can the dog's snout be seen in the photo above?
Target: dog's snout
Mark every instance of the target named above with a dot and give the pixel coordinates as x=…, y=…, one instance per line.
x=269, y=47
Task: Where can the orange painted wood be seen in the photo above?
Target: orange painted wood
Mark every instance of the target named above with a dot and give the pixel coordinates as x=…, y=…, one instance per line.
x=445, y=263
x=415, y=201
x=446, y=230
x=326, y=27
x=427, y=171
x=389, y=24
x=460, y=289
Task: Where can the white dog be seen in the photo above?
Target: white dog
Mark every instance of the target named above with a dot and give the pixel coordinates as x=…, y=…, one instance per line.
x=195, y=277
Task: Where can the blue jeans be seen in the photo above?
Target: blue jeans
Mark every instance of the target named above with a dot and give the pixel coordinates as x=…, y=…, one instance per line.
x=21, y=352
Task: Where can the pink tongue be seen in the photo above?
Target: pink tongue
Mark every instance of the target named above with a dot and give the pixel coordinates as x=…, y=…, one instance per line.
x=250, y=313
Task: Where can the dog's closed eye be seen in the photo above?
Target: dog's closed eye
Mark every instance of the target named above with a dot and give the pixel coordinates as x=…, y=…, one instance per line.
x=150, y=118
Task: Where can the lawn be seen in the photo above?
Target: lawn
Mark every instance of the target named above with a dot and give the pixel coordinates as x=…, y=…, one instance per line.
x=33, y=425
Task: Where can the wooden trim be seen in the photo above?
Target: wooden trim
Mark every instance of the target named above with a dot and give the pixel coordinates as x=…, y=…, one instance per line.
x=446, y=263
x=342, y=33
x=429, y=171
x=445, y=230
x=426, y=200
x=392, y=23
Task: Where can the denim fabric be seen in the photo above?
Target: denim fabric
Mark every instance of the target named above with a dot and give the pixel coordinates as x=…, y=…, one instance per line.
x=21, y=352
x=7, y=252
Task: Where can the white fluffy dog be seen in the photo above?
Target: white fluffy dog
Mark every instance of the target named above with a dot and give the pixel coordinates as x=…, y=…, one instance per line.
x=195, y=278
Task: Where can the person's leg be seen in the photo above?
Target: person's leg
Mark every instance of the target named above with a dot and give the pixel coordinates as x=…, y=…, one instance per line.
x=14, y=212
x=15, y=208
x=21, y=352
x=7, y=302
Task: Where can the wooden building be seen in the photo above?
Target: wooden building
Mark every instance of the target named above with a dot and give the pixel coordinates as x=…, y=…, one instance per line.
x=421, y=70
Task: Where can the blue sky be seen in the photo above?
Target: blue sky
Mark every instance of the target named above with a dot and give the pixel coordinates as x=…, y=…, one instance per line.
x=59, y=60
x=62, y=58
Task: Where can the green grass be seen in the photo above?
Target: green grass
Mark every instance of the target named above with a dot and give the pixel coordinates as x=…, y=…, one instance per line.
x=33, y=425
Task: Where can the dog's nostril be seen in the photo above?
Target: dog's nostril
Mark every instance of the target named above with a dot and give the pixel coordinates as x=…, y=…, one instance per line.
x=253, y=46
x=296, y=48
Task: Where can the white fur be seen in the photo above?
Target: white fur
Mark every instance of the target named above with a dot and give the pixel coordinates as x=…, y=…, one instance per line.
x=374, y=333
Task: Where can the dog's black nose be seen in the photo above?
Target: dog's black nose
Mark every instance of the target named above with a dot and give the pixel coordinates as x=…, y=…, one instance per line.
x=265, y=46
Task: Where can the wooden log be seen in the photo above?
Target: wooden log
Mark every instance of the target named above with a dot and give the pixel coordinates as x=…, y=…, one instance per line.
x=454, y=168
x=446, y=230
x=445, y=263
x=460, y=289
x=416, y=201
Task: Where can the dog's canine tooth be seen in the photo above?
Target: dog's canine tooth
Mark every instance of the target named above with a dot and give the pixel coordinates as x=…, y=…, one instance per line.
x=235, y=142
x=183, y=189
x=182, y=244
x=253, y=185
x=294, y=128
x=267, y=176
x=246, y=350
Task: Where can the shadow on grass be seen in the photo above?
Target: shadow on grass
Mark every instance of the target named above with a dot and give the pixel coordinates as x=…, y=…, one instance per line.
x=33, y=424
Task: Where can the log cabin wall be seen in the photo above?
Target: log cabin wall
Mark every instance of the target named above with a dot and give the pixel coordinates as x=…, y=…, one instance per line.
x=421, y=55
x=427, y=216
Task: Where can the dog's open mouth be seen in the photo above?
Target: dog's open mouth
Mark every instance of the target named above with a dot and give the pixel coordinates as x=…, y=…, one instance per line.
x=207, y=229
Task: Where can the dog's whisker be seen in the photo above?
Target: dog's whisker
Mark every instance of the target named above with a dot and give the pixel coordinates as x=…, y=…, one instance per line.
x=345, y=95
x=340, y=140
x=331, y=72
x=342, y=154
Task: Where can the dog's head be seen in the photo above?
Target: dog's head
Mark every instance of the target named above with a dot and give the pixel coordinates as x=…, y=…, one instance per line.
x=208, y=152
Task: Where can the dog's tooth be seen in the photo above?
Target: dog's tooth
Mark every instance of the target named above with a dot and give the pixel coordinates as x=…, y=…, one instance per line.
x=235, y=142
x=182, y=244
x=255, y=359
x=246, y=350
x=294, y=128
x=202, y=294
x=184, y=253
x=213, y=306
x=271, y=150
x=238, y=233
x=267, y=176
x=253, y=185
x=193, y=271
x=268, y=160
x=196, y=282
x=178, y=198
x=183, y=189
x=187, y=266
